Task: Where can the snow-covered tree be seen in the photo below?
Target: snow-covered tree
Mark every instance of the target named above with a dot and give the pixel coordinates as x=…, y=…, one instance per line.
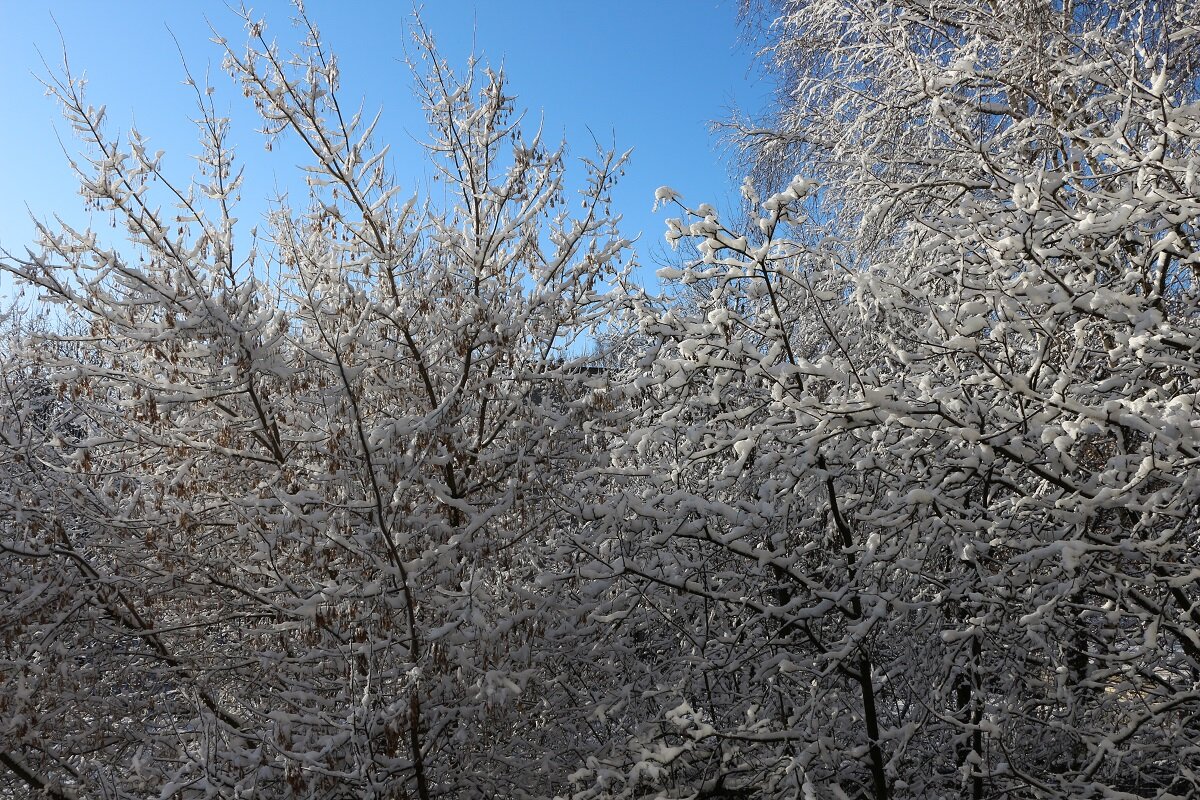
x=894, y=495
x=913, y=491
x=292, y=548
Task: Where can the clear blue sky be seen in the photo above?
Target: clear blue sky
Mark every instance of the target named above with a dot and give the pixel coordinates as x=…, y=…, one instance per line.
x=643, y=74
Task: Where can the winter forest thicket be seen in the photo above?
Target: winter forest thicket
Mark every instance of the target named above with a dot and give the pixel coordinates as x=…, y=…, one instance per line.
x=892, y=492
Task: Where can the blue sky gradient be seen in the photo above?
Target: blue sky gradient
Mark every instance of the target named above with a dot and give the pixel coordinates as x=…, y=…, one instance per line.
x=650, y=76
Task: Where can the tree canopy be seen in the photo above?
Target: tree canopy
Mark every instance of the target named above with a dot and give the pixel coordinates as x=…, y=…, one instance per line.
x=890, y=494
